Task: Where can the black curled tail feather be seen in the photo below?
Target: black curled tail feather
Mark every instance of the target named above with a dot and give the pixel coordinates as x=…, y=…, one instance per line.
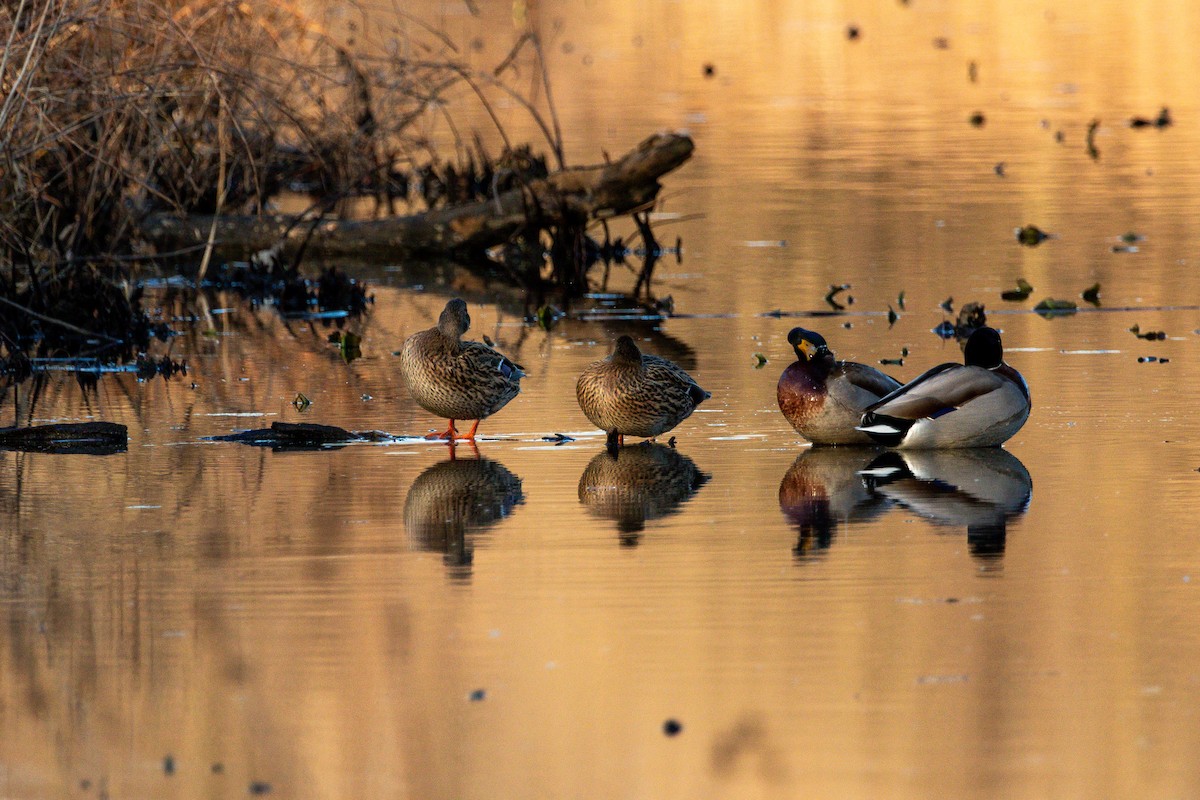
x=887, y=431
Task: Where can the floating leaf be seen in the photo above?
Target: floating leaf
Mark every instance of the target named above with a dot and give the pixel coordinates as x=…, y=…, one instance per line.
x=301, y=402
x=547, y=315
x=900, y=300
x=349, y=345
x=1020, y=293
x=899, y=362
x=948, y=305
x=1092, y=294
x=945, y=329
x=977, y=119
x=760, y=361
x=892, y=316
x=1129, y=237
x=1031, y=235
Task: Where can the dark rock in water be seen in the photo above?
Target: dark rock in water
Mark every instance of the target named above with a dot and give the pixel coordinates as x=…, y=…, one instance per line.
x=169, y=764
x=260, y=787
x=87, y=438
x=478, y=695
x=672, y=727
x=977, y=119
x=853, y=33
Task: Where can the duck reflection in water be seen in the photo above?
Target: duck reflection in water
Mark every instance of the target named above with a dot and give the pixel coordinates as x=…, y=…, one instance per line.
x=823, y=489
x=455, y=499
x=637, y=483
x=980, y=489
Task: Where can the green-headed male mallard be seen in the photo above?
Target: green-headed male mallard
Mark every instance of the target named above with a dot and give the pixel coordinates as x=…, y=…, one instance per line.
x=824, y=398
x=980, y=403
x=454, y=379
x=631, y=394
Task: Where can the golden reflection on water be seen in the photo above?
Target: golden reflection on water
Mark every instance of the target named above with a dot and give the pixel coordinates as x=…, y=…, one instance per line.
x=381, y=621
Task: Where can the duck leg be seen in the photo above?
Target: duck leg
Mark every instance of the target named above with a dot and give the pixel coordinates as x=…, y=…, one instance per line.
x=449, y=433
x=471, y=433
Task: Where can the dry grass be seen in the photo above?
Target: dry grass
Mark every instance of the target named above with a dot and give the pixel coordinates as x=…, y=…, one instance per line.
x=111, y=109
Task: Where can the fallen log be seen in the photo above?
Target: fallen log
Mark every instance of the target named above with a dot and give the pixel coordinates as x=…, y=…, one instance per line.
x=90, y=438
x=300, y=436
x=595, y=192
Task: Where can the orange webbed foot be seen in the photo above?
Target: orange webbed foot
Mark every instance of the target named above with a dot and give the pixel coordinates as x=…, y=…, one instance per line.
x=450, y=433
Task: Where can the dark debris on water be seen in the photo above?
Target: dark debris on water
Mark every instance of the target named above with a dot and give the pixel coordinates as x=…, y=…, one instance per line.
x=1031, y=235
x=1163, y=120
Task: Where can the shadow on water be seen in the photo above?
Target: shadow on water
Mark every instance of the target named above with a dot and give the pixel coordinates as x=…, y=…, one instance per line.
x=455, y=499
x=638, y=483
x=977, y=489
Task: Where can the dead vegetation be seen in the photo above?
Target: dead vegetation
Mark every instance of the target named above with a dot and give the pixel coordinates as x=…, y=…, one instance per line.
x=113, y=111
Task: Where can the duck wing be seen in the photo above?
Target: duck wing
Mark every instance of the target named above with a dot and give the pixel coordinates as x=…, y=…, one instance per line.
x=480, y=359
x=939, y=391
x=867, y=378
x=659, y=369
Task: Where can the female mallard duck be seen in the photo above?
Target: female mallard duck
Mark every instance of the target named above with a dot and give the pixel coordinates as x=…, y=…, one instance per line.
x=824, y=398
x=455, y=379
x=980, y=403
x=631, y=394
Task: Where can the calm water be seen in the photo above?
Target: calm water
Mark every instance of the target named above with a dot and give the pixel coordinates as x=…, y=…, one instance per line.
x=383, y=621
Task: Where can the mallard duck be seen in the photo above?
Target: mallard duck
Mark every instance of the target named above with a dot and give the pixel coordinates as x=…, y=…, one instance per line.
x=454, y=379
x=631, y=394
x=824, y=398
x=979, y=403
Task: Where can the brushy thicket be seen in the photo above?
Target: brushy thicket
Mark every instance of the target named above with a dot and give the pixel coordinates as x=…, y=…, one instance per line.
x=113, y=109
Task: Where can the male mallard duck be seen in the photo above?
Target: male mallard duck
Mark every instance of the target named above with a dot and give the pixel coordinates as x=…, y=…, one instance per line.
x=980, y=403
x=824, y=398
x=631, y=394
x=456, y=379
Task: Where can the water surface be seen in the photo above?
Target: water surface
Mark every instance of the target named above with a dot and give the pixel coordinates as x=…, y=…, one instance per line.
x=384, y=621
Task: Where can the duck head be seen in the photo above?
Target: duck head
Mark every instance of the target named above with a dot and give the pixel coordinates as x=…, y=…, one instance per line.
x=984, y=349
x=809, y=345
x=454, y=320
x=626, y=352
